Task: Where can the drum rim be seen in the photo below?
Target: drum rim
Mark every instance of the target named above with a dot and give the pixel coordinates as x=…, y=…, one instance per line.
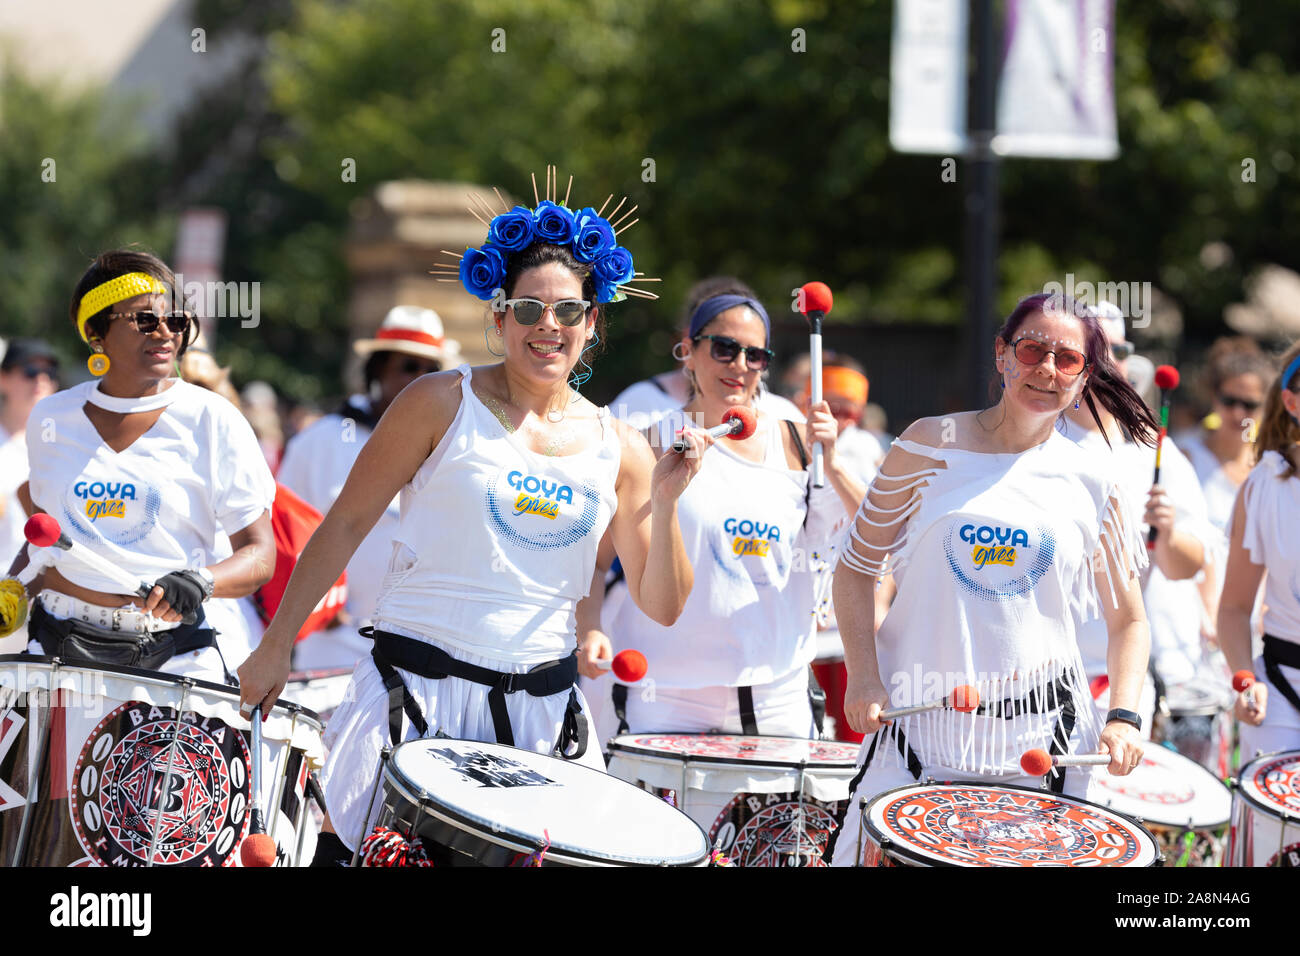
x=916, y=856
x=1152, y=818
x=1273, y=810
x=158, y=676
x=614, y=745
x=509, y=838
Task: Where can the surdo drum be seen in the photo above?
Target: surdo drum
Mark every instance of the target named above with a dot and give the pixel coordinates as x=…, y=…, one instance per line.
x=484, y=804
x=763, y=801
x=1182, y=803
x=113, y=766
x=973, y=824
x=1266, y=812
x=1198, y=723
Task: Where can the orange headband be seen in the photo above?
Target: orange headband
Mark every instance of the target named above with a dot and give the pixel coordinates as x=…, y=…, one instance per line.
x=845, y=383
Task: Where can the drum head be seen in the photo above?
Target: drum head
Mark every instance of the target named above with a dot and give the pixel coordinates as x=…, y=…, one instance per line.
x=1272, y=783
x=734, y=749
x=971, y=824
x=1197, y=698
x=519, y=799
x=1166, y=789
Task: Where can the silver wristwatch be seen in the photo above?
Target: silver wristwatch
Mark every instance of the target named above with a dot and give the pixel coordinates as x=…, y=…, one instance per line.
x=209, y=582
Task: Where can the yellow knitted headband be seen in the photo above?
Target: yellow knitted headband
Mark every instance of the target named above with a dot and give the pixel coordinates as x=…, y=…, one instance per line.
x=114, y=290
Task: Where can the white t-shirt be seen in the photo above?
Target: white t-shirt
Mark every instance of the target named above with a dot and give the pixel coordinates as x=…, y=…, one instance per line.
x=1219, y=490
x=1270, y=539
x=1173, y=608
x=13, y=472
x=317, y=462
x=644, y=403
x=157, y=505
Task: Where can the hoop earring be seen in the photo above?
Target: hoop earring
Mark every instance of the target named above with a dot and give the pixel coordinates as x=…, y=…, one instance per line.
x=487, y=343
x=578, y=379
x=679, y=356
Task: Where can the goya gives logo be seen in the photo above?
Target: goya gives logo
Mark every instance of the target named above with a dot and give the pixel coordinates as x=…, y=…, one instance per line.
x=537, y=496
x=104, y=499
x=993, y=544
x=751, y=537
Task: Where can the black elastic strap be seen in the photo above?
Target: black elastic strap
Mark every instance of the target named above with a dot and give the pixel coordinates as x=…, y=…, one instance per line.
x=500, y=716
x=748, y=722
x=803, y=466
x=817, y=701
x=399, y=699
x=1008, y=707
x=619, y=696
x=574, y=729
x=1060, y=743
x=654, y=380
x=1276, y=653
x=1161, y=690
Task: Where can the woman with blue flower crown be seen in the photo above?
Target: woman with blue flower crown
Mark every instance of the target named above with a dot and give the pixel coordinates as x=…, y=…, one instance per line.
x=509, y=479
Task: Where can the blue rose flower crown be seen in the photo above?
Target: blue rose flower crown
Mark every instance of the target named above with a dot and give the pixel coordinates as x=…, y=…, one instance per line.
x=591, y=238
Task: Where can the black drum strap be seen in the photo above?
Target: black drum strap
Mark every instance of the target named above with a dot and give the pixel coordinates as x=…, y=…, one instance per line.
x=500, y=716
x=399, y=699
x=817, y=701
x=913, y=767
x=748, y=722
x=574, y=730
x=1276, y=653
x=619, y=696
x=1061, y=743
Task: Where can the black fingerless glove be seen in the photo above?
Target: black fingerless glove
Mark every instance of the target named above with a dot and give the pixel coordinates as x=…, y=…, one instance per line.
x=184, y=591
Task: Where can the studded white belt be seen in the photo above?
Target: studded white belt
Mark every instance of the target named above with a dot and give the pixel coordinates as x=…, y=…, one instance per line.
x=128, y=618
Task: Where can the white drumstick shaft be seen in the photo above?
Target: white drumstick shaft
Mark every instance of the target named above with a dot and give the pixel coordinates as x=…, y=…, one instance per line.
x=604, y=664
x=815, y=396
x=913, y=709
x=1081, y=760
x=129, y=583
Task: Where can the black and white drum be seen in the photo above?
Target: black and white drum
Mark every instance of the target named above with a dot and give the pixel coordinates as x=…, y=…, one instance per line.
x=1198, y=723
x=1182, y=803
x=484, y=804
x=1266, y=812
x=763, y=801
x=114, y=766
x=974, y=824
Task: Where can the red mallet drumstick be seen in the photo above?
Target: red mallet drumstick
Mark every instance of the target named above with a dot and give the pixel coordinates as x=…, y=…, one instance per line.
x=737, y=424
x=628, y=666
x=258, y=849
x=43, y=531
x=1035, y=763
x=817, y=301
x=1166, y=381
x=964, y=698
x=1243, y=681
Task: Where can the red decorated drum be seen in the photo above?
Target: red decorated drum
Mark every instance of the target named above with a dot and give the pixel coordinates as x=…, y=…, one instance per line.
x=113, y=766
x=762, y=801
x=971, y=824
x=1266, y=812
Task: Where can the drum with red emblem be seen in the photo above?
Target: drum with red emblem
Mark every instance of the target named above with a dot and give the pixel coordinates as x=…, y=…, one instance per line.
x=762, y=801
x=114, y=766
x=1266, y=812
x=975, y=824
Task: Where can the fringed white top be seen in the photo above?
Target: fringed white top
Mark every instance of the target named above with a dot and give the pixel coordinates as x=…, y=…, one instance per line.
x=995, y=557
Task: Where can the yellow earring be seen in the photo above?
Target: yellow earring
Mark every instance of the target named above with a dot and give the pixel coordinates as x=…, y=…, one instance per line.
x=98, y=363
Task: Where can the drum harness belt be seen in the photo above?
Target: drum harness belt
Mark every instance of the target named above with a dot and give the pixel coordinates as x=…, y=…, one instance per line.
x=75, y=641
x=392, y=651
x=1057, y=696
x=1278, y=652
x=744, y=695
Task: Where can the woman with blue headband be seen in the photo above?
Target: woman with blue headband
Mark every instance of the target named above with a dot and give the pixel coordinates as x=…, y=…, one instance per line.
x=1264, y=545
x=509, y=478
x=759, y=537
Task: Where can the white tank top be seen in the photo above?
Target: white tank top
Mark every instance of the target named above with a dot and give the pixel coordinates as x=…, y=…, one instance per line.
x=496, y=543
x=749, y=618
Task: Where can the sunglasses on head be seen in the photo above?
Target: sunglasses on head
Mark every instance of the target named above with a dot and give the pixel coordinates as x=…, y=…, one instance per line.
x=147, y=322
x=1232, y=401
x=1033, y=352
x=1122, y=350
x=724, y=349
x=568, y=312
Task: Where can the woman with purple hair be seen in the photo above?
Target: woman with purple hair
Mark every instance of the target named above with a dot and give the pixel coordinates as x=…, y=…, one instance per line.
x=1003, y=537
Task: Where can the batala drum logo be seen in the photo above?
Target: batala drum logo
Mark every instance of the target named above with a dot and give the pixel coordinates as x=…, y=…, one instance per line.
x=142, y=771
x=537, y=512
x=997, y=562
x=775, y=829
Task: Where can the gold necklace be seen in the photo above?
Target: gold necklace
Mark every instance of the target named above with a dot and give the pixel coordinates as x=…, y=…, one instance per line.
x=554, y=443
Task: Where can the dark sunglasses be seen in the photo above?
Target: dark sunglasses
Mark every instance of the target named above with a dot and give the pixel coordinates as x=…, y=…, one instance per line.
x=1032, y=352
x=36, y=371
x=414, y=366
x=1122, y=350
x=1232, y=401
x=147, y=322
x=724, y=349
x=568, y=312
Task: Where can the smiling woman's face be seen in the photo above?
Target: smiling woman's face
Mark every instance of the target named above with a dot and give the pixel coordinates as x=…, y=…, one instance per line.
x=546, y=351
x=734, y=382
x=1042, y=389
x=133, y=355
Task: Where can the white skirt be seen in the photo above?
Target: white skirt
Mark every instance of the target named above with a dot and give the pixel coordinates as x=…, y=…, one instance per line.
x=358, y=731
